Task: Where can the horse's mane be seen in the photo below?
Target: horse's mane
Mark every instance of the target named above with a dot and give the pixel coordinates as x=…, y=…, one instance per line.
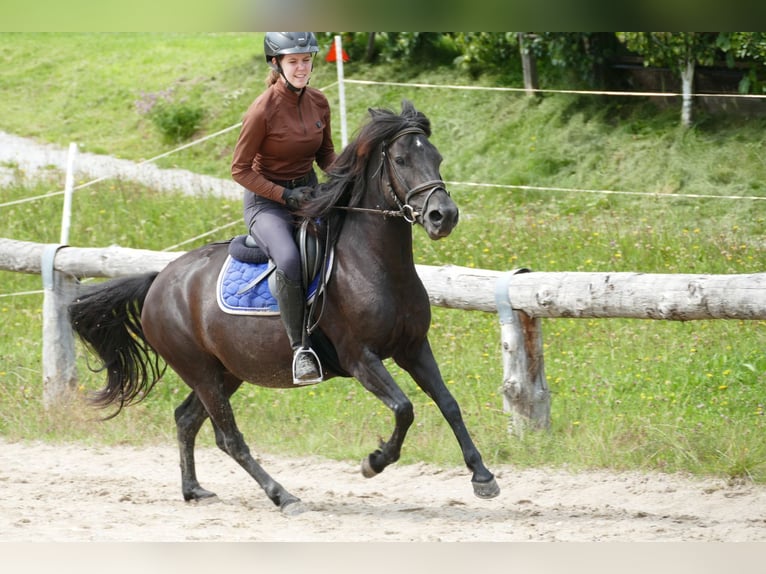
x=347, y=179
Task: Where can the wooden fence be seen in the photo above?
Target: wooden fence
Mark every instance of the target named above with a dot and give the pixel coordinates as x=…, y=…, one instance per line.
x=521, y=298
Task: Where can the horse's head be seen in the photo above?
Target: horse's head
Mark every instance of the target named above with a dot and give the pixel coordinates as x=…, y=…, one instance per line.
x=410, y=166
x=393, y=152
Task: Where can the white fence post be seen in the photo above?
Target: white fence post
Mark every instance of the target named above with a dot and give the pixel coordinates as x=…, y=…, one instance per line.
x=341, y=91
x=66, y=215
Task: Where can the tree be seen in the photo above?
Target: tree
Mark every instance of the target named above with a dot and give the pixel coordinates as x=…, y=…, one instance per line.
x=679, y=51
x=748, y=48
x=583, y=54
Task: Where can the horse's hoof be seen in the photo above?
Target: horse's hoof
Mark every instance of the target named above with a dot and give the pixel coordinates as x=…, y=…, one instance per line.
x=200, y=496
x=488, y=489
x=293, y=507
x=367, y=470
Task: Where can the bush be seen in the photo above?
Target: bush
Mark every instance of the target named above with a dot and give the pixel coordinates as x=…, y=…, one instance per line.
x=176, y=121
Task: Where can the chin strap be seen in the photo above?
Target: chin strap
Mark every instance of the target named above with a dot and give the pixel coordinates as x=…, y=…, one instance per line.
x=289, y=85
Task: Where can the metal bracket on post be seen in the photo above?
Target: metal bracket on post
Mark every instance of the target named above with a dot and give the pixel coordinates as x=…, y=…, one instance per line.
x=502, y=299
x=46, y=265
x=59, y=371
x=525, y=391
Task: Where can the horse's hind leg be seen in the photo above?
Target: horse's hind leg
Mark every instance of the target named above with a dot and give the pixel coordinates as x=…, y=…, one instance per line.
x=190, y=415
x=214, y=396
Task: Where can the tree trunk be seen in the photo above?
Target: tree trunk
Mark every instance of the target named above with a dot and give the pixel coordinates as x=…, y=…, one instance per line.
x=370, y=55
x=687, y=82
x=529, y=66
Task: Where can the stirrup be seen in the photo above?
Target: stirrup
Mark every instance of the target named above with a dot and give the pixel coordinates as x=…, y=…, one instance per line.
x=309, y=351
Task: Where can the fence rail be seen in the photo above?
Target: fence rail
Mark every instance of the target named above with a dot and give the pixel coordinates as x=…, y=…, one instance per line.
x=521, y=298
x=581, y=294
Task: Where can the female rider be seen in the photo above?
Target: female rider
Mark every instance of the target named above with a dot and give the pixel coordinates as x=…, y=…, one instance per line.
x=284, y=131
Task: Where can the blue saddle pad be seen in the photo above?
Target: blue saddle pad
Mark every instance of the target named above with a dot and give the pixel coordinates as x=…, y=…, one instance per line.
x=239, y=291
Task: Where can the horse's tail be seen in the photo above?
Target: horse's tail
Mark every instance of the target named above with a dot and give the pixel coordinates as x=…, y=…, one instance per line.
x=107, y=317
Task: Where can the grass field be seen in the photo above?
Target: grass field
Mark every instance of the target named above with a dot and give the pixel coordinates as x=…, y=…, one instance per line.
x=627, y=394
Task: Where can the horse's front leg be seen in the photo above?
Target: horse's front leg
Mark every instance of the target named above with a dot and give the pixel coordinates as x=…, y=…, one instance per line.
x=422, y=366
x=376, y=379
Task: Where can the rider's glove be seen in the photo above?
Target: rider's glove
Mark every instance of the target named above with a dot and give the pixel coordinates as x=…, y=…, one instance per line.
x=295, y=198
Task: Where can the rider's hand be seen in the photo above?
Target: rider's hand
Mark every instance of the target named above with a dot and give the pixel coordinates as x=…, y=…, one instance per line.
x=295, y=198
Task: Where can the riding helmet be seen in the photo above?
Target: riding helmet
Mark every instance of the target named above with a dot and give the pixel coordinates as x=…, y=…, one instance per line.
x=281, y=43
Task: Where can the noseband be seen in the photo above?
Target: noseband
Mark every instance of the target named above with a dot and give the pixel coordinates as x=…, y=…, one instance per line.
x=429, y=187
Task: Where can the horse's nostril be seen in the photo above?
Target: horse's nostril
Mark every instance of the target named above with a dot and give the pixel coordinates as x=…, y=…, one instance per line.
x=441, y=217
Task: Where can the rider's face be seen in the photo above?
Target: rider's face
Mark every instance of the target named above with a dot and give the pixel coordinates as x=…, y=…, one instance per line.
x=297, y=68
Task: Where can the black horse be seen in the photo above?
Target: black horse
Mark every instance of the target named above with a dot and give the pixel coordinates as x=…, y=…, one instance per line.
x=375, y=307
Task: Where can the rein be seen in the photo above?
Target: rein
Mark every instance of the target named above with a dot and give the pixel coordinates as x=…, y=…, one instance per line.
x=406, y=210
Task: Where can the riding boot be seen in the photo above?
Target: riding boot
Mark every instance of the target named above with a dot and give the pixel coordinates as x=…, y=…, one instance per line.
x=291, y=298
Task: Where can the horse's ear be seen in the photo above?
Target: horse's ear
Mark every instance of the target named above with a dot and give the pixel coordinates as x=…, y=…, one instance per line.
x=374, y=113
x=410, y=113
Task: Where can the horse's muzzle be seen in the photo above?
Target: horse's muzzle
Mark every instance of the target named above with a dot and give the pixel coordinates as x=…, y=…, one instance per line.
x=440, y=215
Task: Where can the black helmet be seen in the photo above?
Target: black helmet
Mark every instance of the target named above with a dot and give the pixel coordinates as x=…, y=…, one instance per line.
x=281, y=43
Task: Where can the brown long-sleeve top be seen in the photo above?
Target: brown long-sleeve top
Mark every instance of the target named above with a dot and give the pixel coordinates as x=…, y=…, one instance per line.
x=282, y=134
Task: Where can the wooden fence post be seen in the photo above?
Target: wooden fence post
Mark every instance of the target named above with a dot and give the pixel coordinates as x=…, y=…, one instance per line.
x=526, y=396
x=59, y=369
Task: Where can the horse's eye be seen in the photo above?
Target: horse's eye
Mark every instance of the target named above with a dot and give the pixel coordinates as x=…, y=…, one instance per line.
x=399, y=160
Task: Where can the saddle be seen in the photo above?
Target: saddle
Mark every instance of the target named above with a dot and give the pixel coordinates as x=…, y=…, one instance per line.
x=245, y=283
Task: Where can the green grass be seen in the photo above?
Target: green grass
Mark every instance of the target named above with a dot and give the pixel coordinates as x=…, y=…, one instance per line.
x=627, y=394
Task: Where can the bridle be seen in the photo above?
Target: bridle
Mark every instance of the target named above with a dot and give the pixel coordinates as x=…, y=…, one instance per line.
x=405, y=210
